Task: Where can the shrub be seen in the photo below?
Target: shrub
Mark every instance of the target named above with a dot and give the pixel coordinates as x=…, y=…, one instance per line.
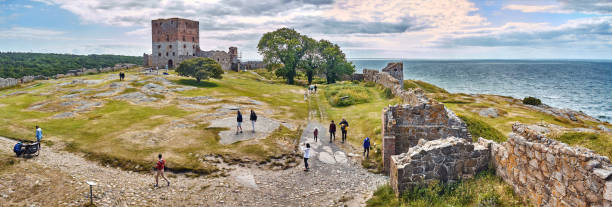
x=480, y=128
x=346, y=95
x=387, y=93
x=532, y=101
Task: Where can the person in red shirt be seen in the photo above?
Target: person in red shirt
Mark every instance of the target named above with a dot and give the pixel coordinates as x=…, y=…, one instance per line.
x=159, y=167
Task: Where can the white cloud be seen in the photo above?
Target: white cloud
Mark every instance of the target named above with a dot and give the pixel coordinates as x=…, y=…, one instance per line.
x=28, y=33
x=536, y=8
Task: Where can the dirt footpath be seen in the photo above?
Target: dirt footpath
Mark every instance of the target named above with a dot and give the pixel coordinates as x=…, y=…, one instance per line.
x=58, y=178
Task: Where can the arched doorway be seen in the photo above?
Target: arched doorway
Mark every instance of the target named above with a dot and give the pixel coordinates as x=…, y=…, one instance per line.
x=170, y=64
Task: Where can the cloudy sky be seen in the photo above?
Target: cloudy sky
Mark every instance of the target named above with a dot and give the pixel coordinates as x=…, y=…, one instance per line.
x=414, y=29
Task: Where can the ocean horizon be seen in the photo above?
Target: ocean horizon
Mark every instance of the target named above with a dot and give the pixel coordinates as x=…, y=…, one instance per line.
x=577, y=84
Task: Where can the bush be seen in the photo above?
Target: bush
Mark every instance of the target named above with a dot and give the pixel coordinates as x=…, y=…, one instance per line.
x=532, y=101
x=480, y=128
x=346, y=95
x=387, y=93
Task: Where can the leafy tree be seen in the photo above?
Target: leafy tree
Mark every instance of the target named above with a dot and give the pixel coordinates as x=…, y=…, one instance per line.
x=334, y=61
x=283, y=46
x=200, y=68
x=312, y=60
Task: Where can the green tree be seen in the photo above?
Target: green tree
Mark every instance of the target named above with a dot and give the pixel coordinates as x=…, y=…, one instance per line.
x=200, y=68
x=312, y=60
x=334, y=61
x=284, y=46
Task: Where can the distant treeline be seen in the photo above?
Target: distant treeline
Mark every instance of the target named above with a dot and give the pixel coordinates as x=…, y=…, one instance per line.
x=17, y=65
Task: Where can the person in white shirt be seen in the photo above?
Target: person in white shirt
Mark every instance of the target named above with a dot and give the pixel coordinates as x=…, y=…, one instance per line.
x=306, y=156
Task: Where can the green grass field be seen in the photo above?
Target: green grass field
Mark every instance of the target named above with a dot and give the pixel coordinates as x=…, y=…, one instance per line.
x=130, y=135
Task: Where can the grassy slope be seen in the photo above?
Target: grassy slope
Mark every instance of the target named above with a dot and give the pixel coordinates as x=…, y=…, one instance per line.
x=97, y=133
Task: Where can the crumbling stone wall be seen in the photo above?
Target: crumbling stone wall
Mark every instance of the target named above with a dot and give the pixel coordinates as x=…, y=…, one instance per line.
x=446, y=160
x=421, y=118
x=403, y=127
x=551, y=173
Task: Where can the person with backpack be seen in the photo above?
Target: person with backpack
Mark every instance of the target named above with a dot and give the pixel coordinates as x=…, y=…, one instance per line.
x=17, y=149
x=332, y=131
x=343, y=128
x=366, y=147
x=159, y=167
x=239, y=120
x=253, y=119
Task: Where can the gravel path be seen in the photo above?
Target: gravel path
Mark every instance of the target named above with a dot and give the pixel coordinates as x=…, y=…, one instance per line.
x=335, y=179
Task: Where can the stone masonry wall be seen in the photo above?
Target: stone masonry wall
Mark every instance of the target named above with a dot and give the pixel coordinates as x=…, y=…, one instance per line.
x=551, y=173
x=446, y=160
x=421, y=118
x=404, y=126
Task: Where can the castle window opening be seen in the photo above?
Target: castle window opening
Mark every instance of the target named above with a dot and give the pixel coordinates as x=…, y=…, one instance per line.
x=184, y=46
x=166, y=54
x=193, y=39
x=183, y=37
x=167, y=38
x=159, y=46
x=170, y=46
x=159, y=54
x=172, y=53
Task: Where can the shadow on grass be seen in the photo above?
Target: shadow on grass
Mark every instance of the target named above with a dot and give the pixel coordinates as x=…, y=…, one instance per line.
x=193, y=82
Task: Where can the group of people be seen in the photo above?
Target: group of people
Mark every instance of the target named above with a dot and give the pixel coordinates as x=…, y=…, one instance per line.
x=332, y=137
x=121, y=76
x=253, y=118
x=312, y=88
x=18, y=149
x=343, y=128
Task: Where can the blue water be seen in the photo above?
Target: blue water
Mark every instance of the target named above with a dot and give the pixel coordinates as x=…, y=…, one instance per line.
x=579, y=85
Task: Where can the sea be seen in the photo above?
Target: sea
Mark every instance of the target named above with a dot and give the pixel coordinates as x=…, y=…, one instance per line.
x=581, y=85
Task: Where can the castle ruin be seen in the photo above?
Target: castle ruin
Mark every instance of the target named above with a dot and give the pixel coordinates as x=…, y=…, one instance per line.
x=423, y=141
x=175, y=40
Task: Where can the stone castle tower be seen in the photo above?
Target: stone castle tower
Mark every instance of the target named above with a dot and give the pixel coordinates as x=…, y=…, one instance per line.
x=174, y=40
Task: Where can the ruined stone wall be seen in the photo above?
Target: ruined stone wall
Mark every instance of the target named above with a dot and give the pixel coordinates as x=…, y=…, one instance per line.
x=421, y=118
x=223, y=58
x=446, y=160
x=403, y=127
x=173, y=40
x=551, y=173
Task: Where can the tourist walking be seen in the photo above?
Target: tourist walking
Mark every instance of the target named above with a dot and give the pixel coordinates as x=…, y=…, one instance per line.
x=39, y=135
x=239, y=120
x=315, y=88
x=253, y=119
x=366, y=147
x=159, y=167
x=316, y=133
x=332, y=131
x=306, y=156
x=343, y=127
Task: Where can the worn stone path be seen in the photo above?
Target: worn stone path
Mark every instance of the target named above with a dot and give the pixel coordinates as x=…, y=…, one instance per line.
x=335, y=179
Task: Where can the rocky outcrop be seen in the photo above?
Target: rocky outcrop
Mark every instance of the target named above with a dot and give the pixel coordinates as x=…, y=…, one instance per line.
x=446, y=160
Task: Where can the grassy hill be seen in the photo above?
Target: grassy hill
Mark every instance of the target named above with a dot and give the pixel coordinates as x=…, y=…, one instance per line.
x=126, y=124
x=17, y=65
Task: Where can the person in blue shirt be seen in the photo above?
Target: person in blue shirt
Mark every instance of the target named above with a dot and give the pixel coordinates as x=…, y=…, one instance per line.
x=39, y=136
x=366, y=147
x=17, y=149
